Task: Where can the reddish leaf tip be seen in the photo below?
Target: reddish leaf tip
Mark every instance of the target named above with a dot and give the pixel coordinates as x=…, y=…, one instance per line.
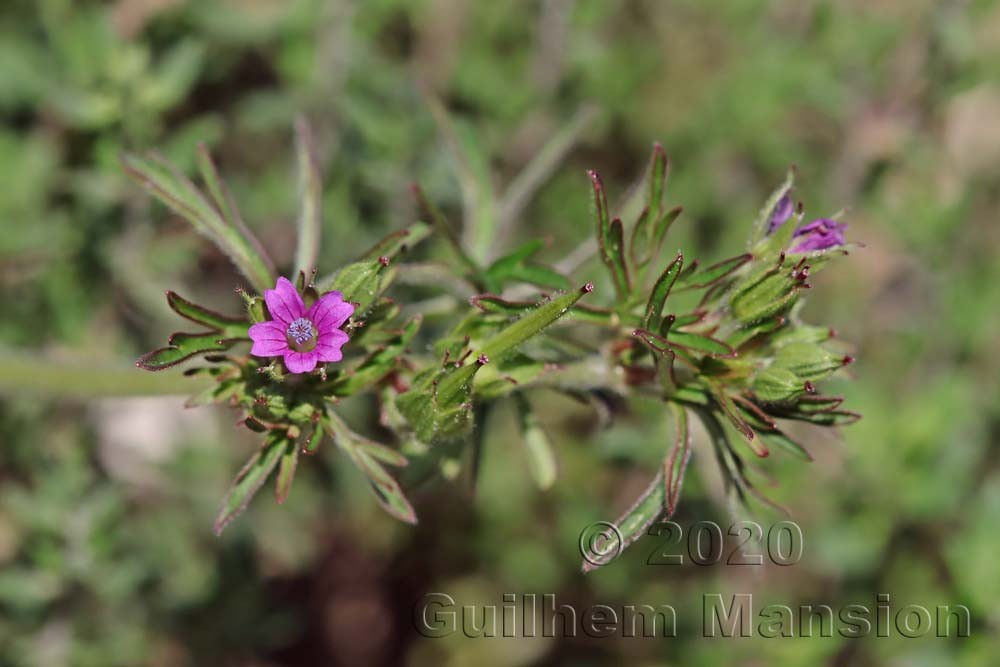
x=588, y=288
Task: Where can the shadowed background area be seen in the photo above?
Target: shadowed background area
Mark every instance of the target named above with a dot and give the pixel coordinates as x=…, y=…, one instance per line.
x=108, y=485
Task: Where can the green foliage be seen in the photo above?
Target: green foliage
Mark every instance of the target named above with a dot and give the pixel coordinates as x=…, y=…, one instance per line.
x=106, y=551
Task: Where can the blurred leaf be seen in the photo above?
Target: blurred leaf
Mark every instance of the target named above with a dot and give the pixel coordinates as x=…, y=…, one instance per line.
x=310, y=198
x=541, y=459
x=176, y=191
x=286, y=470
x=363, y=453
x=252, y=477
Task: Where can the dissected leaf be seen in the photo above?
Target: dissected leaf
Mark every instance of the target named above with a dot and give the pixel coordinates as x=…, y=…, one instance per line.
x=251, y=478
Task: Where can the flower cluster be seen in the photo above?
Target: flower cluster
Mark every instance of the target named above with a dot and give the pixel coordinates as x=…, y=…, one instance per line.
x=733, y=355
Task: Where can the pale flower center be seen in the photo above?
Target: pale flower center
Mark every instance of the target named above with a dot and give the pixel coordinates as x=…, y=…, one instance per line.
x=301, y=335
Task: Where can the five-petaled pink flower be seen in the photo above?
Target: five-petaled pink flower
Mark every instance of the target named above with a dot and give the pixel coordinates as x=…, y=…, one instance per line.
x=303, y=337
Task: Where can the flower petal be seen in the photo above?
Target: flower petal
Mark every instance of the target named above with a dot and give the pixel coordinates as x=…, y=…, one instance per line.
x=328, y=345
x=819, y=235
x=268, y=339
x=300, y=362
x=330, y=312
x=781, y=213
x=284, y=302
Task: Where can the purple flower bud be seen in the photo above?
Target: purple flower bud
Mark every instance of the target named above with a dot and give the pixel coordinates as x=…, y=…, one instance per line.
x=304, y=337
x=820, y=235
x=781, y=213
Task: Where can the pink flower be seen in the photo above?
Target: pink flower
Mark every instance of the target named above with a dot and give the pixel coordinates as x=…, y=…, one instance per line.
x=819, y=235
x=303, y=337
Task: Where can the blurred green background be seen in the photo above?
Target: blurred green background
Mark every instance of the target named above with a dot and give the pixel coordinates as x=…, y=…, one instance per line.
x=888, y=107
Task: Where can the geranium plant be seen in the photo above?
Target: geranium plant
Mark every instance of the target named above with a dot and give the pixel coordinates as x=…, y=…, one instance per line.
x=740, y=360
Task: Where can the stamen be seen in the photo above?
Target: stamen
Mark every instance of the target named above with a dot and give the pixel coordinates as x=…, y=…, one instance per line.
x=301, y=330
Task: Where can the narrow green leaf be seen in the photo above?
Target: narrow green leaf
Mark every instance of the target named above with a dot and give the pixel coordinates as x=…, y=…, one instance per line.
x=382, y=453
x=201, y=315
x=541, y=458
x=532, y=323
x=541, y=167
x=699, y=343
x=829, y=418
x=660, y=228
x=779, y=440
x=310, y=220
x=634, y=522
x=472, y=168
x=399, y=242
x=659, y=166
x=676, y=462
x=661, y=290
x=432, y=214
x=182, y=346
x=731, y=413
x=609, y=236
x=249, y=480
x=312, y=442
x=286, y=470
x=177, y=192
x=713, y=274
x=362, y=453
x=505, y=264
x=542, y=276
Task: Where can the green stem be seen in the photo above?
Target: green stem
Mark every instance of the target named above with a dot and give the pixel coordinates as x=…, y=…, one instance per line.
x=25, y=373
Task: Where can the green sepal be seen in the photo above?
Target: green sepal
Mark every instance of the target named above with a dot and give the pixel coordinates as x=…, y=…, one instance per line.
x=808, y=361
x=777, y=385
x=772, y=295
